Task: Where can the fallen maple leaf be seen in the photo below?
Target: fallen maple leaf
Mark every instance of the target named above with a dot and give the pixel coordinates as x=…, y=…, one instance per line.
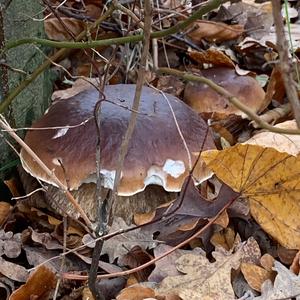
x=270, y=180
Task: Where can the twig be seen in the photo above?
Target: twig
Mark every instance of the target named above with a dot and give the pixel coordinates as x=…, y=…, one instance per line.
x=207, y=7
x=101, y=204
x=135, y=105
x=232, y=99
x=271, y=116
x=151, y=262
x=58, y=55
x=65, y=224
x=188, y=152
x=285, y=62
x=77, y=207
x=106, y=207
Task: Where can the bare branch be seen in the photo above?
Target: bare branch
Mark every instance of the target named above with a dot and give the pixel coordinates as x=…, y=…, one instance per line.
x=286, y=65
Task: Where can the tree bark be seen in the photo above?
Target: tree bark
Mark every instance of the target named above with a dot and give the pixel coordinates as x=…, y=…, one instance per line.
x=16, y=21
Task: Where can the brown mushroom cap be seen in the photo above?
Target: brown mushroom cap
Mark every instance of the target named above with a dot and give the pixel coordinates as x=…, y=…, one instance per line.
x=156, y=153
x=204, y=99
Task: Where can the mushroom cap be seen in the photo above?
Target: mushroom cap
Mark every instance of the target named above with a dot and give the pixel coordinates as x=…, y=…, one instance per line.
x=156, y=153
x=204, y=99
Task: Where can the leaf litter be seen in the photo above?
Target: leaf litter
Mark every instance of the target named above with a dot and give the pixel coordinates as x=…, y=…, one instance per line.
x=240, y=38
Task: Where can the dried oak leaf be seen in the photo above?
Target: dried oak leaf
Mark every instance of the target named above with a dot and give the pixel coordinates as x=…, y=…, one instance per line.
x=120, y=244
x=189, y=211
x=286, y=285
x=201, y=278
x=10, y=244
x=38, y=286
x=270, y=180
x=214, y=31
x=166, y=267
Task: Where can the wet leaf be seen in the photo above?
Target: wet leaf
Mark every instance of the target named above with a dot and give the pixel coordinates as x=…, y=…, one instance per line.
x=190, y=211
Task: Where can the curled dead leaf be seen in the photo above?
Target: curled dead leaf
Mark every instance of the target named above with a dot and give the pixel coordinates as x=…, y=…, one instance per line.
x=215, y=31
x=212, y=56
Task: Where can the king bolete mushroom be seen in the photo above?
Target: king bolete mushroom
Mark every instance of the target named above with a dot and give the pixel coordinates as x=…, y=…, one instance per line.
x=156, y=153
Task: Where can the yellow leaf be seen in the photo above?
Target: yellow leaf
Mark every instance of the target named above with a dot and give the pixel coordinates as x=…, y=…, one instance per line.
x=270, y=180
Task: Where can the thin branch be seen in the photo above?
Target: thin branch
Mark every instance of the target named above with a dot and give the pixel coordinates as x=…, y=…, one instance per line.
x=151, y=262
x=285, y=63
x=47, y=63
x=207, y=7
x=232, y=99
x=77, y=207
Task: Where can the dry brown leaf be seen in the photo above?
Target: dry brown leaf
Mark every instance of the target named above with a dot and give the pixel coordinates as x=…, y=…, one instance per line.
x=286, y=256
x=202, y=279
x=255, y=275
x=212, y=56
x=224, y=238
x=267, y=261
x=38, y=286
x=12, y=184
x=295, y=266
x=166, y=267
x=120, y=244
x=55, y=30
x=223, y=219
x=289, y=143
x=270, y=180
x=13, y=271
x=137, y=292
x=170, y=84
x=5, y=209
x=87, y=294
x=215, y=31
